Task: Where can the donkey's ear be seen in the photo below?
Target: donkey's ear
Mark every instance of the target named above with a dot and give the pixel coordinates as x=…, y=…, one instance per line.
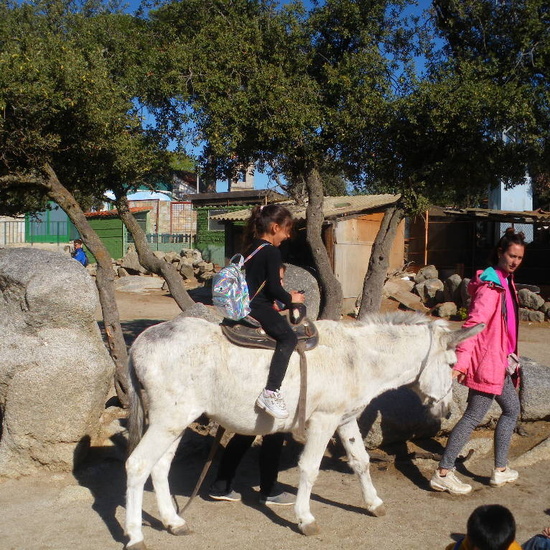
x=454, y=338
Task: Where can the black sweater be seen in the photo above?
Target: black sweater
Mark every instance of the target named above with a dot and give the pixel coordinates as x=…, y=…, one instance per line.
x=265, y=265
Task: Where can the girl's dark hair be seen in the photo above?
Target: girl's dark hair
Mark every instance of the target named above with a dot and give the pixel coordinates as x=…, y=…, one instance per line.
x=261, y=219
x=491, y=527
x=510, y=237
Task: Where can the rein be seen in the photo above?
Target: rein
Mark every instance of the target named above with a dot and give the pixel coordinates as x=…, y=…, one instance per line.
x=219, y=434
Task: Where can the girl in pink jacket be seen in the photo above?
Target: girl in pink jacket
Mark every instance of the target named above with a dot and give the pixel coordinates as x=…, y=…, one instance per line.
x=486, y=365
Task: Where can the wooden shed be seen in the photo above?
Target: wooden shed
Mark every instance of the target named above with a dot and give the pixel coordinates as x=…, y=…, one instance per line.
x=350, y=226
x=460, y=240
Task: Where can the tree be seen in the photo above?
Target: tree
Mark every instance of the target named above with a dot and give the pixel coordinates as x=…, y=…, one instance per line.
x=275, y=86
x=443, y=144
x=70, y=128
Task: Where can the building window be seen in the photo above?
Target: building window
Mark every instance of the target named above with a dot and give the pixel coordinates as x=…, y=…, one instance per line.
x=215, y=225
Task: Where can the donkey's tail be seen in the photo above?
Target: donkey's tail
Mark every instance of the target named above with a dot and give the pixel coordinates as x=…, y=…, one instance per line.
x=136, y=409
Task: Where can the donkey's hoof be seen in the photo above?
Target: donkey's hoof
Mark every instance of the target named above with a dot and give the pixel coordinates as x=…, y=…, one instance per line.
x=137, y=546
x=379, y=511
x=310, y=529
x=180, y=530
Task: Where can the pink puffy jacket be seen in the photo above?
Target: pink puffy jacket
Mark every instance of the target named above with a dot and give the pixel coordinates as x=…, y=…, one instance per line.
x=483, y=358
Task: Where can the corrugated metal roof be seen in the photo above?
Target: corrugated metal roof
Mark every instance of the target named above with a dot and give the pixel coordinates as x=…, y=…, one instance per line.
x=333, y=207
x=501, y=215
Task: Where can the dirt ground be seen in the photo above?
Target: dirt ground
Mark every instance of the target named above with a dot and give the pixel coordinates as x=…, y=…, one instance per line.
x=85, y=509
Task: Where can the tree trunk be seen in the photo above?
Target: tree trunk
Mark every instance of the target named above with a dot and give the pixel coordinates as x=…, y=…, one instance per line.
x=149, y=261
x=331, y=290
x=104, y=280
x=371, y=298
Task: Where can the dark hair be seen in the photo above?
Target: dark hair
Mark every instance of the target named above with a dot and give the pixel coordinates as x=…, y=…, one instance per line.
x=510, y=237
x=491, y=527
x=261, y=219
x=78, y=241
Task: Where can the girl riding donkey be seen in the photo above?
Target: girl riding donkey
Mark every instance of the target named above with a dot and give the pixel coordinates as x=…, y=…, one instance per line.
x=269, y=226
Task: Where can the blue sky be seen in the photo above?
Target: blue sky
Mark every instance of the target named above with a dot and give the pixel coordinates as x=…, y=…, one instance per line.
x=261, y=180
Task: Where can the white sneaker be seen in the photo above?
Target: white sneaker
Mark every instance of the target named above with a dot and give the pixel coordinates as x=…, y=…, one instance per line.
x=449, y=483
x=272, y=403
x=500, y=478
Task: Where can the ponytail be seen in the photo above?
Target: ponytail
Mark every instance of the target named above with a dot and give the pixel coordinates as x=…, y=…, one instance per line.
x=261, y=219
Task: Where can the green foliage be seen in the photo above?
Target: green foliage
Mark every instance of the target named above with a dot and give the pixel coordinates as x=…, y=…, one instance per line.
x=69, y=73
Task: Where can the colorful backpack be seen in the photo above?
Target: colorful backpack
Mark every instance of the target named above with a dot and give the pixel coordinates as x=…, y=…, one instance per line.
x=229, y=288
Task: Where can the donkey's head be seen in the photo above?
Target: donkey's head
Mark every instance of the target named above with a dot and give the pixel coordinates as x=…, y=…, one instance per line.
x=434, y=383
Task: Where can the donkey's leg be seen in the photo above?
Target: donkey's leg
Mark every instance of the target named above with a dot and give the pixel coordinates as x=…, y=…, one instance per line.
x=168, y=514
x=319, y=431
x=154, y=444
x=360, y=463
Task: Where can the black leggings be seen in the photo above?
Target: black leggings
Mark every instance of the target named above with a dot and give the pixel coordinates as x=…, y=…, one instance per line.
x=277, y=327
x=270, y=454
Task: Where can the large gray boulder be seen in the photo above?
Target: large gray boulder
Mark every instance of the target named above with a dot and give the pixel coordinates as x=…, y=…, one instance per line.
x=55, y=372
x=535, y=389
x=297, y=278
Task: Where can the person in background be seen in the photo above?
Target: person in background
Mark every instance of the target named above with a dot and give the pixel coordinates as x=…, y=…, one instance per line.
x=487, y=364
x=78, y=254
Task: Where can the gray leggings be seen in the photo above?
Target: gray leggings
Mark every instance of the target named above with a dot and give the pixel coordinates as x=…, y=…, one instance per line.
x=478, y=405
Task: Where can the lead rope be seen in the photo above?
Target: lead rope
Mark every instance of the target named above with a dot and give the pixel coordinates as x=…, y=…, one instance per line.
x=219, y=434
x=302, y=400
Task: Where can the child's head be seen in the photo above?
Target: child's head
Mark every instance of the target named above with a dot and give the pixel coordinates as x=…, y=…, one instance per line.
x=264, y=218
x=78, y=243
x=491, y=527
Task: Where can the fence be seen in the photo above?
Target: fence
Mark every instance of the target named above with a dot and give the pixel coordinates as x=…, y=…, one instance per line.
x=40, y=231
x=12, y=232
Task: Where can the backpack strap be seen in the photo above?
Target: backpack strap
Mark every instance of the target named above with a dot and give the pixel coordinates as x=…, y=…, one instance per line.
x=257, y=250
x=248, y=258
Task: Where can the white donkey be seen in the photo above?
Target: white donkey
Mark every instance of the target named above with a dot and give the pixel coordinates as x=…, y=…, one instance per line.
x=186, y=367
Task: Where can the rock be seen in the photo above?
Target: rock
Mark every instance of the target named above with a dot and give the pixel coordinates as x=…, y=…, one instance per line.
x=172, y=257
x=546, y=309
x=131, y=263
x=529, y=299
x=465, y=298
x=534, y=391
x=425, y=273
x=193, y=255
x=536, y=454
x=451, y=289
x=206, y=275
x=136, y=283
x=396, y=285
x=186, y=270
x=531, y=316
x=431, y=291
x=446, y=309
x=396, y=416
x=159, y=254
x=297, y=278
x=121, y=272
x=55, y=372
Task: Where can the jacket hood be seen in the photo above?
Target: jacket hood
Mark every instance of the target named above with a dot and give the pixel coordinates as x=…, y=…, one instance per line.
x=484, y=277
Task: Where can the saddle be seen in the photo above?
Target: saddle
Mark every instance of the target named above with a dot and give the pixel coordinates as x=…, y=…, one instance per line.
x=249, y=334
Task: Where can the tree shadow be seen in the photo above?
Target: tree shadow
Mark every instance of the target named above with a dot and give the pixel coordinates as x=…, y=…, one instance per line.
x=403, y=418
x=131, y=329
